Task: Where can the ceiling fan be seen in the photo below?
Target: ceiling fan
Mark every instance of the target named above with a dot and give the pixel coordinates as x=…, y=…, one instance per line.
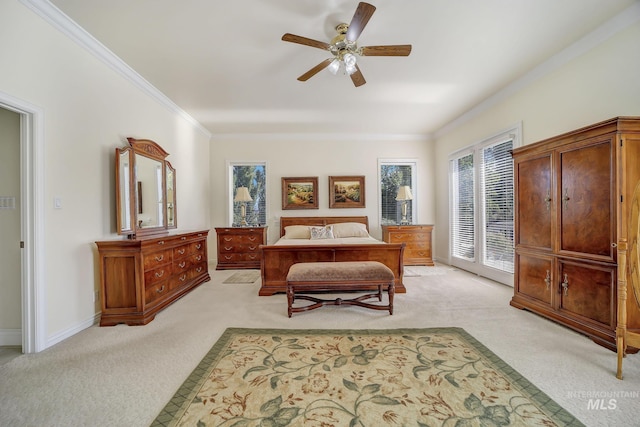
x=344, y=48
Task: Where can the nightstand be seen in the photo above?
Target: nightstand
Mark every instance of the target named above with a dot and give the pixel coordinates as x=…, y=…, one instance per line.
x=417, y=239
x=238, y=247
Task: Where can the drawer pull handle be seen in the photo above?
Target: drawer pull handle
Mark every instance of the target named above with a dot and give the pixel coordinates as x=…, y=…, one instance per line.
x=548, y=200
x=565, y=285
x=181, y=251
x=252, y=238
x=227, y=257
x=198, y=246
x=182, y=264
x=228, y=248
x=547, y=280
x=199, y=269
x=183, y=277
x=160, y=290
x=160, y=274
x=252, y=248
x=159, y=258
x=252, y=256
x=161, y=242
x=228, y=239
x=199, y=257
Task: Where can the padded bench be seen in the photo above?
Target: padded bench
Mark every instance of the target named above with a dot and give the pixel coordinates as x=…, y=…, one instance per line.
x=338, y=277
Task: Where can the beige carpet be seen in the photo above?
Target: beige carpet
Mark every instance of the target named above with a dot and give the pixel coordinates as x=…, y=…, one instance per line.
x=373, y=377
x=124, y=376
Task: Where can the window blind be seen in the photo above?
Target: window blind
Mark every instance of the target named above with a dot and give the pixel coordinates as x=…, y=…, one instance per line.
x=463, y=208
x=496, y=173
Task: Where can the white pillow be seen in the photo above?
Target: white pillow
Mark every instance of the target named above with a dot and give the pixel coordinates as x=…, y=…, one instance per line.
x=325, y=232
x=296, y=232
x=350, y=229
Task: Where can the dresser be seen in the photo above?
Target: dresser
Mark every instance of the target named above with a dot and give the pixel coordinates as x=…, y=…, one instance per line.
x=417, y=238
x=139, y=277
x=572, y=207
x=239, y=247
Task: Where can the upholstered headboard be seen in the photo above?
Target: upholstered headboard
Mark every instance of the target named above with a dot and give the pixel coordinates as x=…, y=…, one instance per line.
x=286, y=221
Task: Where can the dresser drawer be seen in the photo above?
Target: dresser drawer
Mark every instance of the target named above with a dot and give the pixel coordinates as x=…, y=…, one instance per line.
x=186, y=250
x=417, y=254
x=156, y=291
x=156, y=275
x=156, y=259
x=185, y=276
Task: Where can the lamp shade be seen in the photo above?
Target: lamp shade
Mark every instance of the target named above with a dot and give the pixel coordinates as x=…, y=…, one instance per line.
x=404, y=193
x=242, y=195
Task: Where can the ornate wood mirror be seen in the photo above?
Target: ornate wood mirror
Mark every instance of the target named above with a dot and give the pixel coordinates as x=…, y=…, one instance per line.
x=145, y=189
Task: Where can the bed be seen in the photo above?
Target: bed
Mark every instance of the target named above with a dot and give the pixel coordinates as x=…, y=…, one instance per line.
x=351, y=242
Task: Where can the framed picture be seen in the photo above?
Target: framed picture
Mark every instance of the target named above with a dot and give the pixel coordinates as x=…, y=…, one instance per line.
x=346, y=192
x=300, y=193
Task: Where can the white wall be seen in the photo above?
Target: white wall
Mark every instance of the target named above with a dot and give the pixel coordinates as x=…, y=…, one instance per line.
x=308, y=157
x=89, y=110
x=598, y=85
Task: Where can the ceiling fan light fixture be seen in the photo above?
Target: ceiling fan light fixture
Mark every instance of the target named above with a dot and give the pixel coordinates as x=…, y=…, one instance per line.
x=334, y=66
x=349, y=63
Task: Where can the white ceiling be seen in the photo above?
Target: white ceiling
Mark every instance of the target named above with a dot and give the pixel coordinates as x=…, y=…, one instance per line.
x=224, y=63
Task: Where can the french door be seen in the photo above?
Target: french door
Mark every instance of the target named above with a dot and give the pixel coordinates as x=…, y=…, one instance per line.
x=481, y=209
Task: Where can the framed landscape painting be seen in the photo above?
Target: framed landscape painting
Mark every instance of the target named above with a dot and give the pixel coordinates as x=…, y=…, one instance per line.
x=346, y=192
x=300, y=193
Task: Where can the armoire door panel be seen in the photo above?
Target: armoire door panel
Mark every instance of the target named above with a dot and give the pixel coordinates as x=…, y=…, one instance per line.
x=588, y=291
x=535, y=201
x=586, y=199
x=535, y=277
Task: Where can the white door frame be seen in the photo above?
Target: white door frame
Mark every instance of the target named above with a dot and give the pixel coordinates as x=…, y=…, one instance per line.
x=31, y=220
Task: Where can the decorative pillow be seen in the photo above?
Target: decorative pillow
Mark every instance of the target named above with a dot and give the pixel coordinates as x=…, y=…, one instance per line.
x=325, y=232
x=296, y=232
x=350, y=229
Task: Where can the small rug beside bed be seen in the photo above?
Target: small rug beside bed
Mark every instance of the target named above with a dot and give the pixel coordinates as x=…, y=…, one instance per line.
x=248, y=276
x=418, y=377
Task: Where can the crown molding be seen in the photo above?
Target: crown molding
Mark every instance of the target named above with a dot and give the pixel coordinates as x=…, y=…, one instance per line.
x=613, y=26
x=315, y=137
x=54, y=16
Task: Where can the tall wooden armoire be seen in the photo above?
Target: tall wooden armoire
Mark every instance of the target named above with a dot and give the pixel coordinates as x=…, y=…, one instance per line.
x=572, y=197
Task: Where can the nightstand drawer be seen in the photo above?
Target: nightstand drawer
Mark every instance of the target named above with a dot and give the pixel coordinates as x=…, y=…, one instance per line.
x=417, y=239
x=239, y=247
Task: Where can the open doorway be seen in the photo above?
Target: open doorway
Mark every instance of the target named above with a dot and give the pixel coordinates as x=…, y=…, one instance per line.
x=10, y=279
x=24, y=324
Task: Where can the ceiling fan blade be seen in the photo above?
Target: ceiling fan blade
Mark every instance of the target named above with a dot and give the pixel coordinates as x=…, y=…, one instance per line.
x=315, y=70
x=357, y=78
x=391, y=50
x=305, y=41
x=359, y=20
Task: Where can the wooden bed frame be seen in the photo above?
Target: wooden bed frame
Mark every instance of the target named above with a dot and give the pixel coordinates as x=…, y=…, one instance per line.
x=275, y=260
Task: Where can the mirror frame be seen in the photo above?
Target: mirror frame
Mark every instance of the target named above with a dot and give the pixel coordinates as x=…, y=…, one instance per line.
x=153, y=151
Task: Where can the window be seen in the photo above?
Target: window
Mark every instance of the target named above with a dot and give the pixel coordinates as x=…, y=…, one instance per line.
x=481, y=208
x=395, y=174
x=253, y=176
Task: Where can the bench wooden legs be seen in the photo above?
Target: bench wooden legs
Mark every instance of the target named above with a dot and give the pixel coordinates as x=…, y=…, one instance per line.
x=296, y=292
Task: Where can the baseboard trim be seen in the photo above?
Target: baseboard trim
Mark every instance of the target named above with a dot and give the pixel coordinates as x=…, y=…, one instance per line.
x=10, y=337
x=67, y=333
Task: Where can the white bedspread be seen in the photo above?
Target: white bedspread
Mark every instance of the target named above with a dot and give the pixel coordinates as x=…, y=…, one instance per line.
x=340, y=241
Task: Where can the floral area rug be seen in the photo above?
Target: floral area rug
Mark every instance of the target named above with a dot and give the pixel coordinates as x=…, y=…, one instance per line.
x=395, y=377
